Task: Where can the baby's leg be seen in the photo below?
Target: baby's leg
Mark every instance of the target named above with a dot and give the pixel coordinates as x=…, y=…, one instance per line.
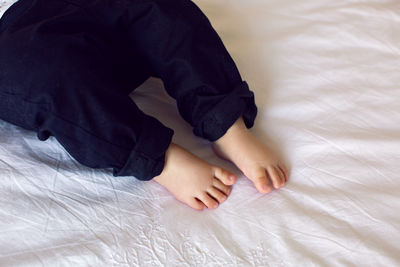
x=253, y=157
x=183, y=49
x=69, y=86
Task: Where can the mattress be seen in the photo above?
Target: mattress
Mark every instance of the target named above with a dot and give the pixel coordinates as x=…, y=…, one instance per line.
x=326, y=75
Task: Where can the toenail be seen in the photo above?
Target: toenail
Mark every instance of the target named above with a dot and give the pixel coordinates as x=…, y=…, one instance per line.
x=266, y=187
x=223, y=198
x=231, y=177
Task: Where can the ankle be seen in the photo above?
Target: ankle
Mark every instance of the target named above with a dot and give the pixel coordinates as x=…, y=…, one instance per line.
x=235, y=131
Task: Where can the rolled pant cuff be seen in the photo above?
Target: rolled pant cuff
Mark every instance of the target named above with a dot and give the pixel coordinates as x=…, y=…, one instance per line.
x=216, y=122
x=147, y=159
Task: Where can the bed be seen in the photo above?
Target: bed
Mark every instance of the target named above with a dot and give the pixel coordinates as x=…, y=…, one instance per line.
x=326, y=75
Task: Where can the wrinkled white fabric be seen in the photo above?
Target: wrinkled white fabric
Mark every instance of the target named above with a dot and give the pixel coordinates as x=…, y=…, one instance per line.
x=326, y=75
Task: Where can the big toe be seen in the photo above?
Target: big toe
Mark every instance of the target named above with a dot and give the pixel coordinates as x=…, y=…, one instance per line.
x=224, y=176
x=261, y=181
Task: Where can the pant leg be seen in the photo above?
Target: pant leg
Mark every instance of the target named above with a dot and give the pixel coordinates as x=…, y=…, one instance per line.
x=60, y=77
x=184, y=50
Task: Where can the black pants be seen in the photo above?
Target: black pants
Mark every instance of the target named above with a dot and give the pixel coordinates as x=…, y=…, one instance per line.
x=67, y=68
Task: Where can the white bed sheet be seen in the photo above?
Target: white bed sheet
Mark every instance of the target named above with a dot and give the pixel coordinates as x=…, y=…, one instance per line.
x=326, y=75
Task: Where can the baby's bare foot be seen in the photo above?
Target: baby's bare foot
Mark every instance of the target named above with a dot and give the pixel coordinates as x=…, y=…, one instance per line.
x=194, y=181
x=254, y=158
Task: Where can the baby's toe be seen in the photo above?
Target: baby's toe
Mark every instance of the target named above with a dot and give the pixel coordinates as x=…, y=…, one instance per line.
x=284, y=170
x=195, y=204
x=208, y=200
x=216, y=194
x=277, y=179
x=224, y=176
x=226, y=189
x=261, y=181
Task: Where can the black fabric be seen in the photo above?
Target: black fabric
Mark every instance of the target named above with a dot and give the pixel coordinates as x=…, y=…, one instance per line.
x=67, y=68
